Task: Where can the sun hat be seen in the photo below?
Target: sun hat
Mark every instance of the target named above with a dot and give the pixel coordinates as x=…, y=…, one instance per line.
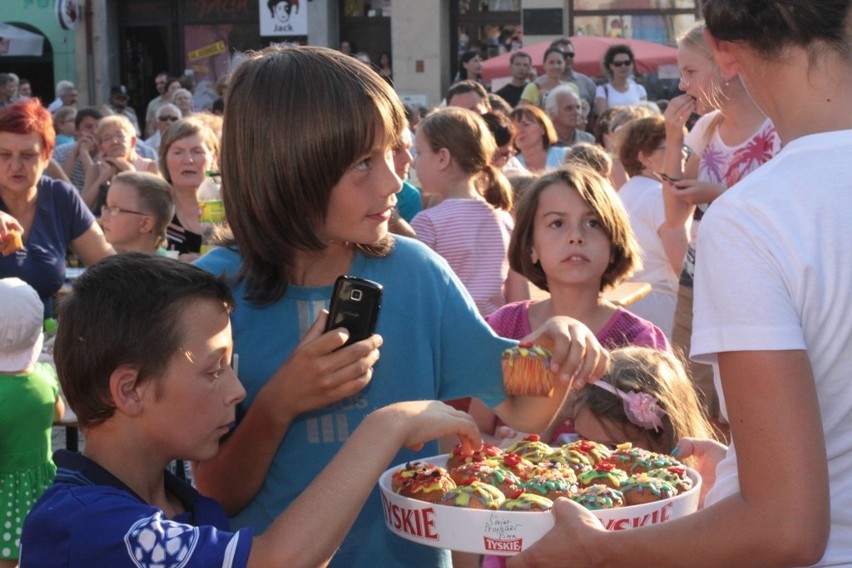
x=21, y=323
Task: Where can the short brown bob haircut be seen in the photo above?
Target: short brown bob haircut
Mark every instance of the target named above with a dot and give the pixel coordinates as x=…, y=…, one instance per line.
x=602, y=198
x=637, y=137
x=535, y=114
x=296, y=118
x=125, y=310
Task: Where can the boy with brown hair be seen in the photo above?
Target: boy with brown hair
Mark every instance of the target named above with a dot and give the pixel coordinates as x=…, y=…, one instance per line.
x=143, y=354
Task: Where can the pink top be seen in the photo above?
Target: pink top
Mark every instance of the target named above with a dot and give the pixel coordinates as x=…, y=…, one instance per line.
x=624, y=328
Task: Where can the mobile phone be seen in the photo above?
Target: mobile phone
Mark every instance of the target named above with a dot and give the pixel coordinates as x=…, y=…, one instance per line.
x=355, y=305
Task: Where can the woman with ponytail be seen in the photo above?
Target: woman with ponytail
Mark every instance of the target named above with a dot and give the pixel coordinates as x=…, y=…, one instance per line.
x=471, y=226
x=771, y=315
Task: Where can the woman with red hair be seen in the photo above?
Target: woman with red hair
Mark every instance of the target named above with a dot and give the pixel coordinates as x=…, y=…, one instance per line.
x=50, y=213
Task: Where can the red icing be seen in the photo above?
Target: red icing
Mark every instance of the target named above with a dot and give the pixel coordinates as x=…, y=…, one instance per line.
x=604, y=467
x=532, y=438
x=511, y=459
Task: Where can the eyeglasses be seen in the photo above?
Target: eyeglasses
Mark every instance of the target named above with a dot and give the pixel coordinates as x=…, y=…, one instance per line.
x=168, y=118
x=113, y=138
x=115, y=210
x=569, y=54
x=621, y=63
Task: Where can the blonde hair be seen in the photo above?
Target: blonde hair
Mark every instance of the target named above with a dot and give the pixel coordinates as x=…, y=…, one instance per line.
x=116, y=120
x=663, y=376
x=469, y=141
x=155, y=197
x=590, y=155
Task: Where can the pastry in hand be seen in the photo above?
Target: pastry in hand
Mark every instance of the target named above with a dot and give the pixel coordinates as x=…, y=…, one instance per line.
x=11, y=242
x=526, y=371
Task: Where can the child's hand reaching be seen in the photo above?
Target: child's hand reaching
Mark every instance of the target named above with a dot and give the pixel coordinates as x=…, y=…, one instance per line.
x=576, y=353
x=318, y=374
x=424, y=420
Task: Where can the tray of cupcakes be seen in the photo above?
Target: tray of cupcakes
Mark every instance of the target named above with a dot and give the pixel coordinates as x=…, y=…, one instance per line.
x=498, y=501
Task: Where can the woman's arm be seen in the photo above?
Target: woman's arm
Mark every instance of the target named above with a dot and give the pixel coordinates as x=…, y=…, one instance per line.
x=91, y=246
x=675, y=240
x=775, y=419
x=98, y=174
x=601, y=103
x=315, y=375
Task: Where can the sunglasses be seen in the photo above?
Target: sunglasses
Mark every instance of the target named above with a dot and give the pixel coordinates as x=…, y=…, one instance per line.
x=621, y=63
x=569, y=54
x=169, y=118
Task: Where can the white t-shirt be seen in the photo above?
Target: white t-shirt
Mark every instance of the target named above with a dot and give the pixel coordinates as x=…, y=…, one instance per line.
x=774, y=274
x=643, y=199
x=634, y=94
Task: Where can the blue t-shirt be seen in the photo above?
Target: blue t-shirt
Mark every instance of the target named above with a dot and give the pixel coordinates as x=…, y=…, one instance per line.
x=436, y=346
x=90, y=518
x=60, y=217
x=409, y=202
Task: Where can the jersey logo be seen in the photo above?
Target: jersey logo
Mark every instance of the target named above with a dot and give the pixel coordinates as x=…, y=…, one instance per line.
x=155, y=541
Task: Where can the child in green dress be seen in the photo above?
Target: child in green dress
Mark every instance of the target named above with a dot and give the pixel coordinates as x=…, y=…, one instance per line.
x=29, y=402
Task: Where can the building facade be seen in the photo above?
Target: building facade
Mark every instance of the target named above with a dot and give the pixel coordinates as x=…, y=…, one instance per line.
x=130, y=41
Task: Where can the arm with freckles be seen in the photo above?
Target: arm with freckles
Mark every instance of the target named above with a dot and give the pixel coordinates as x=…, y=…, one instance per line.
x=577, y=358
x=766, y=391
x=315, y=375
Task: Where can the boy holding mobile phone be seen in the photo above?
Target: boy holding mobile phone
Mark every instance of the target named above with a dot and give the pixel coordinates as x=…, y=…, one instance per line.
x=143, y=356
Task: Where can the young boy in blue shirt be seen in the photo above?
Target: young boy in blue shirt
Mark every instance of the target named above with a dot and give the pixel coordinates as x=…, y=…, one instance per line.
x=143, y=353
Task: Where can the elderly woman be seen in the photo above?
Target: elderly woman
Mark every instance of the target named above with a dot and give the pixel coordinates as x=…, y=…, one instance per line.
x=188, y=151
x=535, y=137
x=642, y=153
x=116, y=139
x=50, y=214
x=165, y=115
x=183, y=100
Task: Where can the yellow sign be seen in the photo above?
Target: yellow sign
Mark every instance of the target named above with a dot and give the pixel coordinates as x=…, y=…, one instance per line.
x=207, y=51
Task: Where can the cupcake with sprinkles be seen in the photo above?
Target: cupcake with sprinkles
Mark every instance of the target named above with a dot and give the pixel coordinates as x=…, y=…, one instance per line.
x=474, y=495
x=423, y=482
x=526, y=371
x=598, y=497
x=551, y=487
x=489, y=453
x=504, y=480
x=642, y=488
x=526, y=502
x=676, y=475
x=521, y=467
x=595, y=452
x=531, y=448
x=603, y=474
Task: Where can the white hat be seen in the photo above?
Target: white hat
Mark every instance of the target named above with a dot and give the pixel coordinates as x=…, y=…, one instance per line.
x=21, y=325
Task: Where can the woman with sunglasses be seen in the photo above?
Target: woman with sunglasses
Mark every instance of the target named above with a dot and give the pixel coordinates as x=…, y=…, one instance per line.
x=166, y=115
x=49, y=213
x=621, y=89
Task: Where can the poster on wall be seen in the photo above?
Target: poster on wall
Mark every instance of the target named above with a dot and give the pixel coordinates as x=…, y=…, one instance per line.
x=283, y=17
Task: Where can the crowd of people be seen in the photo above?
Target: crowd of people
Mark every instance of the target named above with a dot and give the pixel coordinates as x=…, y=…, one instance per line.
x=220, y=356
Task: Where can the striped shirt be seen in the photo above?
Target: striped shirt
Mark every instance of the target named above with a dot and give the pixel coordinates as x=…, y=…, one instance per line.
x=473, y=237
